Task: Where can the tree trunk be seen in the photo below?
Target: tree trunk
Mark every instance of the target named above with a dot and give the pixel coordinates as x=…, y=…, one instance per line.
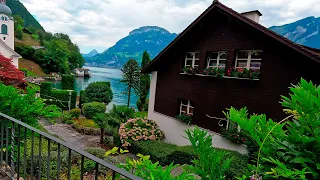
x=101, y=135
x=129, y=95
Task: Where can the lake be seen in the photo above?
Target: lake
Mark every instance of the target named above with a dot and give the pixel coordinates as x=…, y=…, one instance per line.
x=104, y=74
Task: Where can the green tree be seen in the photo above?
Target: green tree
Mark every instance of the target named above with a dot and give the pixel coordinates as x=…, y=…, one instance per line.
x=144, y=83
x=131, y=77
x=103, y=120
x=99, y=92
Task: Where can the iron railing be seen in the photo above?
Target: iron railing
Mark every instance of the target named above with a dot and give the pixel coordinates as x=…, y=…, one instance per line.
x=34, y=159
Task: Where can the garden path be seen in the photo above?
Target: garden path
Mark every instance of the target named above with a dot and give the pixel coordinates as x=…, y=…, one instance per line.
x=70, y=135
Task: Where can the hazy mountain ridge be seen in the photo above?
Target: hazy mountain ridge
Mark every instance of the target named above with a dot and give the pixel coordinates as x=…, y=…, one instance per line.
x=150, y=38
x=304, y=31
x=90, y=54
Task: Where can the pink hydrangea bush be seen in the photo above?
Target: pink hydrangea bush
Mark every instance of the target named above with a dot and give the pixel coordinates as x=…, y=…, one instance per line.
x=139, y=129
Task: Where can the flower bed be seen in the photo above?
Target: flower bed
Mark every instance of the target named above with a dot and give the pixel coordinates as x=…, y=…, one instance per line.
x=139, y=129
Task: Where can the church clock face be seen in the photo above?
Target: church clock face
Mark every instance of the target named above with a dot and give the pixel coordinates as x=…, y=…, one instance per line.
x=4, y=18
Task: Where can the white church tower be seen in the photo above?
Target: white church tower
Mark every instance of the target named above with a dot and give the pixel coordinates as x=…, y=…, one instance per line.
x=7, y=33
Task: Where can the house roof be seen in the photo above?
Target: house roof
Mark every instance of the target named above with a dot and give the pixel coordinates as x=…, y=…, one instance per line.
x=312, y=53
x=14, y=54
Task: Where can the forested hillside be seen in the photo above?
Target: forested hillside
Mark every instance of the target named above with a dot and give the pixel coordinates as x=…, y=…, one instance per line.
x=18, y=8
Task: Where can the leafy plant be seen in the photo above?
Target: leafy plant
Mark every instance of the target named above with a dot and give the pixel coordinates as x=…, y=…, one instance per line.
x=210, y=163
x=145, y=169
x=91, y=109
x=244, y=73
x=185, y=118
x=96, y=151
x=139, y=129
x=104, y=120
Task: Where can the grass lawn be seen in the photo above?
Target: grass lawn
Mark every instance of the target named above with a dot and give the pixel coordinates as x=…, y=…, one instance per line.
x=141, y=114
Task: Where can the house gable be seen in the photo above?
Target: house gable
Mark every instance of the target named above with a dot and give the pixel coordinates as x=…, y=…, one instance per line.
x=233, y=16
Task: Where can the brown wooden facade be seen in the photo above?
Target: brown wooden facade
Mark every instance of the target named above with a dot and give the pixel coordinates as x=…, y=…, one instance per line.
x=219, y=31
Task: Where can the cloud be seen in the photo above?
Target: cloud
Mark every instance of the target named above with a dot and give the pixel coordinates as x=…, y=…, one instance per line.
x=99, y=24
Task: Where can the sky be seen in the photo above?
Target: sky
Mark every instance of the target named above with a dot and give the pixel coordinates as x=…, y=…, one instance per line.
x=99, y=24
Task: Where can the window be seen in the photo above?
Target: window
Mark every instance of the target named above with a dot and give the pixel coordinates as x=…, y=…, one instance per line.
x=4, y=29
x=186, y=107
x=217, y=59
x=192, y=59
x=249, y=59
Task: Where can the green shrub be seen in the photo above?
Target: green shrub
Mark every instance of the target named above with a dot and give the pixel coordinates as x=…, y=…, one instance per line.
x=66, y=117
x=111, y=159
x=89, y=165
x=122, y=112
x=91, y=109
x=185, y=118
x=75, y=113
x=45, y=90
x=96, y=151
x=99, y=92
x=67, y=82
x=116, y=139
x=164, y=153
x=139, y=129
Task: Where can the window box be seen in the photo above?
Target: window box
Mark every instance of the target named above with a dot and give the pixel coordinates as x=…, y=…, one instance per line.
x=190, y=70
x=244, y=73
x=186, y=111
x=215, y=72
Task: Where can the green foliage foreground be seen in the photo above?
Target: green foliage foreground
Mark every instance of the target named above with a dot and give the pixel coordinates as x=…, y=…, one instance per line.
x=26, y=107
x=289, y=149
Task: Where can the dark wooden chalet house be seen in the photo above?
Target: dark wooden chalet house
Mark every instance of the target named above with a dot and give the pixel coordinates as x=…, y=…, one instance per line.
x=233, y=61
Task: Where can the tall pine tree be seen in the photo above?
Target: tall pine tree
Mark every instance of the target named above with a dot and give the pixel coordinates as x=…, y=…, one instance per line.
x=144, y=85
x=131, y=77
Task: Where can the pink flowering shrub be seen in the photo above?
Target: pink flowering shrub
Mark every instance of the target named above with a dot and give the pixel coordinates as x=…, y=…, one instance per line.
x=139, y=129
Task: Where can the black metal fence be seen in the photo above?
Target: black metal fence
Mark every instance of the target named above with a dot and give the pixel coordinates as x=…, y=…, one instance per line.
x=28, y=153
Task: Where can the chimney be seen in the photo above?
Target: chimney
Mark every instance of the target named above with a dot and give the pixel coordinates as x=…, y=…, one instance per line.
x=253, y=15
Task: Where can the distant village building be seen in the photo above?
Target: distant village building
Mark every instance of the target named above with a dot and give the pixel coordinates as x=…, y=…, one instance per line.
x=82, y=72
x=38, y=47
x=7, y=34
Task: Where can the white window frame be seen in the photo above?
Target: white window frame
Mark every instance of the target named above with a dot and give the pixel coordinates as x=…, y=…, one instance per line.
x=188, y=107
x=220, y=53
x=194, y=59
x=248, y=59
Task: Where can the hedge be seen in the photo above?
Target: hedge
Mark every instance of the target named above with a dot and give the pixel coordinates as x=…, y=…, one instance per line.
x=45, y=90
x=164, y=153
x=67, y=82
x=54, y=97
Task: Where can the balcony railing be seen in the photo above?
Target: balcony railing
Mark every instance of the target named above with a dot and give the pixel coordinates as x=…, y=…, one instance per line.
x=39, y=163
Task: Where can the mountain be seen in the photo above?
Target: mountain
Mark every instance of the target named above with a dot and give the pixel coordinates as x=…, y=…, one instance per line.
x=151, y=38
x=18, y=8
x=90, y=54
x=304, y=31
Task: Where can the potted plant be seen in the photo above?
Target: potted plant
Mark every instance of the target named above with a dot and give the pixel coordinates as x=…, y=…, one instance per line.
x=186, y=118
x=216, y=72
